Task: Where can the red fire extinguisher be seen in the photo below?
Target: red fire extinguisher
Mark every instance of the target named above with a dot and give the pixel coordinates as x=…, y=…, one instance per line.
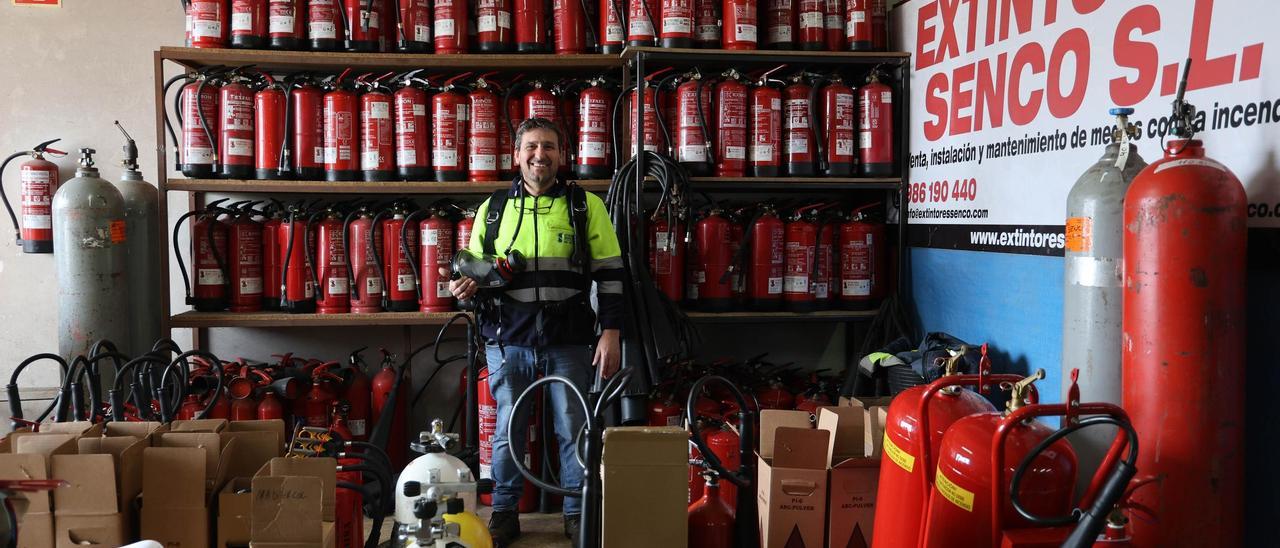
x=450, y=112
x=357, y=392
x=692, y=145
x=488, y=412
x=248, y=24
x=272, y=255
x=723, y=442
x=707, y=33
x=207, y=24
x=329, y=272
x=569, y=26
x=383, y=383
x=834, y=100
x=322, y=395
x=653, y=139
x=398, y=294
x=835, y=18
x=767, y=245
x=235, y=128
x=801, y=278
x=360, y=236
x=271, y=407
x=857, y=27
x=739, y=25
x=341, y=138
x=306, y=132
x=297, y=294
x=780, y=24
x=876, y=127
x=493, y=26
x=241, y=389
x=209, y=255
x=613, y=25
x=39, y=178
x=879, y=25
x=244, y=246
x=811, y=25
x=198, y=118
x=677, y=23
x=270, y=157
x=413, y=128
x=286, y=23
x=463, y=229
x=797, y=141
x=715, y=293
x=766, y=126
x=667, y=253
x=412, y=31
x=540, y=102
x=377, y=130
x=531, y=26
x=482, y=140
x=863, y=260
x=326, y=24
x=730, y=125
x=664, y=410
x=711, y=520
x=775, y=396
x=640, y=18
x=435, y=250
x=364, y=22
x=594, y=158
x=451, y=26
x=348, y=526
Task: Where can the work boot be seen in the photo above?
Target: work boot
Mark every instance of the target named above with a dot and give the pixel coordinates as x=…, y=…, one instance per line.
x=573, y=528
x=504, y=527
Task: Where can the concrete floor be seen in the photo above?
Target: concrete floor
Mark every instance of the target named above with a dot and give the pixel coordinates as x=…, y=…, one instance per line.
x=536, y=530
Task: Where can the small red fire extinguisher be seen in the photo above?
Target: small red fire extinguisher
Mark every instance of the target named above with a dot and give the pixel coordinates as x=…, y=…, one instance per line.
x=198, y=117
x=207, y=24
x=531, y=26
x=329, y=274
x=797, y=141
x=360, y=236
x=811, y=24
x=677, y=23
x=857, y=26
x=377, y=130
x=711, y=243
x=667, y=253
x=435, y=250
x=707, y=31
x=364, y=22
x=483, y=138
x=863, y=260
x=831, y=98
x=413, y=26
x=451, y=27
x=801, y=243
x=766, y=125
x=272, y=254
x=767, y=245
x=341, y=122
x=739, y=31
x=595, y=128
x=326, y=24
x=730, y=125
x=834, y=11
x=613, y=25
x=876, y=127
x=450, y=113
x=270, y=125
x=235, y=128
x=398, y=233
x=248, y=24
x=286, y=23
x=297, y=292
x=780, y=24
x=692, y=145
x=413, y=128
x=244, y=247
x=208, y=258
x=641, y=29
x=569, y=26
x=306, y=133
x=39, y=179
x=493, y=26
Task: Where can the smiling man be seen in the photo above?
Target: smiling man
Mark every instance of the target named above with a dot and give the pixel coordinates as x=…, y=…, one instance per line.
x=542, y=321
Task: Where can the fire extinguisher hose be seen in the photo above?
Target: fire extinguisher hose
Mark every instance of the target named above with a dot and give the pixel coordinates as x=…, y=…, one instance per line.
x=1089, y=521
x=115, y=396
x=745, y=532
x=17, y=231
x=180, y=364
x=15, y=398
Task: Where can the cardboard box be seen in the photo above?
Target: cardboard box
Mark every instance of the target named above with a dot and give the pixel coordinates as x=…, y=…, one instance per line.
x=208, y=426
x=854, y=477
x=791, y=487
x=645, y=481
x=174, y=510
x=125, y=441
x=235, y=507
x=35, y=530
x=873, y=442
x=286, y=512
x=325, y=469
x=866, y=402
x=35, y=518
x=257, y=442
x=107, y=531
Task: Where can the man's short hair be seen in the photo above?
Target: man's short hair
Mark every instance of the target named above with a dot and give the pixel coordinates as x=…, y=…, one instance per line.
x=539, y=123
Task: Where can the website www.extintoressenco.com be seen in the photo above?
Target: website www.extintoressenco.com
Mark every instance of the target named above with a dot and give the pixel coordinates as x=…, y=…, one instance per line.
x=1018, y=238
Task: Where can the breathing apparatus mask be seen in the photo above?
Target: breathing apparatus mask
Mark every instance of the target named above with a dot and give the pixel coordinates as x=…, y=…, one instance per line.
x=489, y=271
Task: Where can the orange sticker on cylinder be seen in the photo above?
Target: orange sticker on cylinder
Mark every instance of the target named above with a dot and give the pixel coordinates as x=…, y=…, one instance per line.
x=1079, y=234
x=117, y=232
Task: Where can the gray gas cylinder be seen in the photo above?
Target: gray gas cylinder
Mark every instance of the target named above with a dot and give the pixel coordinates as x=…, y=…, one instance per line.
x=1092, y=291
x=142, y=252
x=89, y=248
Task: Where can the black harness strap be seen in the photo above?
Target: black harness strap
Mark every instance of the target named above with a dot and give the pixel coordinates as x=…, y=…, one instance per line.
x=493, y=220
x=581, y=256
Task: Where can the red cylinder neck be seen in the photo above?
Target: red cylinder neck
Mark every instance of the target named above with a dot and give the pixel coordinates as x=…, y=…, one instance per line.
x=1184, y=148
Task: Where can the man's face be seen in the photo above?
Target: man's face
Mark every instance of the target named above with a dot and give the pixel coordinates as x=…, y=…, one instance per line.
x=539, y=156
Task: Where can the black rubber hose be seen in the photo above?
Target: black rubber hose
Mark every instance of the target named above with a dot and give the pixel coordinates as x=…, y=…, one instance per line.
x=204, y=124
x=515, y=410
x=17, y=231
x=115, y=395
x=173, y=136
x=742, y=478
x=1126, y=467
x=15, y=398
x=214, y=362
x=354, y=288
x=410, y=252
x=374, y=245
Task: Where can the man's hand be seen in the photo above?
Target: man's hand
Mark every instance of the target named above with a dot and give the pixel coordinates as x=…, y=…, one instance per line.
x=463, y=288
x=608, y=352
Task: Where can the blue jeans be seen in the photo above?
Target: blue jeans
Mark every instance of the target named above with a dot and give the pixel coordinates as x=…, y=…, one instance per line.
x=507, y=381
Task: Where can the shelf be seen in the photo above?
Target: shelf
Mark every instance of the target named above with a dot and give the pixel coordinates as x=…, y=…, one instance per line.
x=738, y=58
x=788, y=317
x=758, y=184
x=352, y=187
x=335, y=61
x=282, y=319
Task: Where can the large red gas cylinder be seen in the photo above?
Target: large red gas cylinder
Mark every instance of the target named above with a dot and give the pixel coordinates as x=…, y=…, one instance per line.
x=876, y=128
x=493, y=26
x=667, y=256
x=595, y=125
x=306, y=118
x=797, y=131
x=739, y=31
x=360, y=236
x=766, y=129
x=297, y=289
x=692, y=144
x=413, y=131
x=482, y=139
x=833, y=117
x=677, y=25
x=435, y=252
x=711, y=234
x=235, y=130
x=248, y=24
x=710, y=519
x=863, y=261
x=780, y=23
x=341, y=134
x=377, y=133
x=330, y=264
x=325, y=24
x=960, y=510
x=729, y=125
x=768, y=260
x=449, y=114
x=1183, y=355
x=207, y=23
x=269, y=127
x=244, y=247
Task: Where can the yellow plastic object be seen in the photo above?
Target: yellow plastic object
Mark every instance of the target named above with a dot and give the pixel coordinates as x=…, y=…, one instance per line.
x=475, y=534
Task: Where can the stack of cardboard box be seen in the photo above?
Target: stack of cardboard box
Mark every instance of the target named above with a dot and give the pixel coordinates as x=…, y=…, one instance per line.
x=816, y=484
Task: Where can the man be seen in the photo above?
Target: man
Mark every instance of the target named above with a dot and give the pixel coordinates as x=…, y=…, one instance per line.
x=542, y=321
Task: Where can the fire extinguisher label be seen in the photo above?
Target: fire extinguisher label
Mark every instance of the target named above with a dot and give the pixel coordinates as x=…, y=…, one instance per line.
x=834, y=22
x=735, y=153
x=899, y=457
x=250, y=286
x=37, y=221
x=370, y=159
x=442, y=290
x=865, y=139
x=692, y=291
x=798, y=113
x=680, y=25
x=821, y=290
x=281, y=24
x=337, y=286
x=811, y=20
x=844, y=147
x=780, y=34
x=641, y=27
x=373, y=286
x=857, y=17
x=242, y=22
x=487, y=23
x=796, y=284
x=613, y=33
x=588, y=149
x=322, y=30
x=380, y=111
x=419, y=109
x=209, y=276
x=761, y=153
x=198, y=155
x=700, y=277
x=958, y=496
x=406, y=156
x=483, y=162
x=775, y=286
x=693, y=153
x=421, y=33
x=444, y=27
x=240, y=147
x=404, y=282
x=744, y=33
x=796, y=145
x=444, y=158
x=317, y=154
x=430, y=236
x=886, y=97
x=856, y=288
